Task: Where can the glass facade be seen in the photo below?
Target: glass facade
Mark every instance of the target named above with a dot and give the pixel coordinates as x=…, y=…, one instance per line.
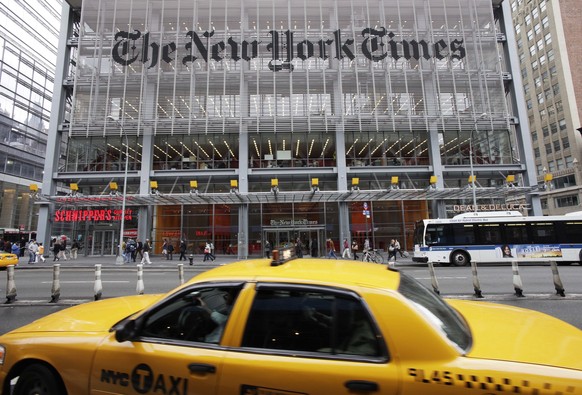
x=294, y=91
x=28, y=52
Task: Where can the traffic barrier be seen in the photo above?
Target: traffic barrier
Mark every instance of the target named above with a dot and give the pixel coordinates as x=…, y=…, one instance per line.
x=98, y=287
x=10, y=284
x=433, y=279
x=517, y=284
x=476, y=284
x=181, y=273
x=56, y=287
x=140, y=285
x=557, y=281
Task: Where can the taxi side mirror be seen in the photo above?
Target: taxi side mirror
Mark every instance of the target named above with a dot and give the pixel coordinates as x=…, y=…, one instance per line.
x=125, y=331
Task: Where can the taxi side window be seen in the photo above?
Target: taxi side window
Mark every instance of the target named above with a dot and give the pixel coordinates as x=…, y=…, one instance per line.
x=196, y=315
x=312, y=322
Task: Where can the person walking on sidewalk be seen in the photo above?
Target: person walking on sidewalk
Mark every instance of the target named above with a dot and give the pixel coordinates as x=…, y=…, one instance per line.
x=74, y=249
x=182, y=250
x=40, y=253
x=146, y=252
x=346, y=251
x=355, y=248
x=170, y=249
x=32, y=250
x=331, y=249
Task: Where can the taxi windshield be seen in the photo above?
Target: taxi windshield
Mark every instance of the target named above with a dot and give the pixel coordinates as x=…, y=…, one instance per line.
x=436, y=311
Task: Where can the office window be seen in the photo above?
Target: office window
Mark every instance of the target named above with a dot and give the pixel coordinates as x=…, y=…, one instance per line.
x=545, y=22
x=562, y=123
x=556, y=145
x=545, y=131
x=534, y=136
x=537, y=152
x=560, y=164
x=566, y=201
x=537, y=28
x=548, y=38
x=542, y=5
x=540, y=44
x=540, y=97
x=548, y=148
x=528, y=20
x=556, y=88
x=551, y=56
x=535, y=13
x=565, y=143
x=530, y=35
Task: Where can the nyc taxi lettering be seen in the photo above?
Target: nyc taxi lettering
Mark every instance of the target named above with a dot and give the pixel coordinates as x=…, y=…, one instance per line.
x=143, y=380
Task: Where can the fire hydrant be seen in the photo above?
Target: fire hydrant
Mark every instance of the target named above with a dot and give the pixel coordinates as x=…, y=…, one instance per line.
x=191, y=258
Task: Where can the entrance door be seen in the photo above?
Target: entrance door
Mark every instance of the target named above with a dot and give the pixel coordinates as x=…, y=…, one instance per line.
x=102, y=243
x=311, y=239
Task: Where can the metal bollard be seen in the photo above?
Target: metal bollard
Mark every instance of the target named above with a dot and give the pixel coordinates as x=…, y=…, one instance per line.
x=557, y=281
x=181, y=273
x=10, y=285
x=476, y=284
x=433, y=279
x=140, y=286
x=56, y=287
x=517, y=285
x=98, y=287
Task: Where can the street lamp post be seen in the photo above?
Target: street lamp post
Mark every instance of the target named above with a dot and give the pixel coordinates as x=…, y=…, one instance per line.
x=119, y=260
x=471, y=162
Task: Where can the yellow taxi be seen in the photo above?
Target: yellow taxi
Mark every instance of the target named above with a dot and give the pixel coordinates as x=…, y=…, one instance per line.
x=301, y=326
x=7, y=259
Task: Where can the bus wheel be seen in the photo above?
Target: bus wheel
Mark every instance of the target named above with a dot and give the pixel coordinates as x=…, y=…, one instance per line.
x=460, y=258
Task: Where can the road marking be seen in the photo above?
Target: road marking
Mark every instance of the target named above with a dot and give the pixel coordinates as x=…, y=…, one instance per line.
x=85, y=282
x=443, y=278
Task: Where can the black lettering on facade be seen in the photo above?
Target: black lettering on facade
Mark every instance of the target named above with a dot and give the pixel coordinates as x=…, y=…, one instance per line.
x=377, y=45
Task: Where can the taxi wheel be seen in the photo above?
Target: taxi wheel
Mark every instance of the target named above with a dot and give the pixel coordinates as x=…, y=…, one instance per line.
x=38, y=380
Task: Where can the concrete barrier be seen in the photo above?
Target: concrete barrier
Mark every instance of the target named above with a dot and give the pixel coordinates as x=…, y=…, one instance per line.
x=476, y=283
x=517, y=284
x=56, y=287
x=98, y=286
x=433, y=280
x=10, y=284
x=557, y=281
x=140, y=285
x=181, y=273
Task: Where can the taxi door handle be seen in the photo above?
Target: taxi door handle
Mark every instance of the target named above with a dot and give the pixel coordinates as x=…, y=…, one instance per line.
x=361, y=385
x=201, y=368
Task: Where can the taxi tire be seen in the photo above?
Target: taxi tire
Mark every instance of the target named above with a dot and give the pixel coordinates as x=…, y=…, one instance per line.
x=38, y=379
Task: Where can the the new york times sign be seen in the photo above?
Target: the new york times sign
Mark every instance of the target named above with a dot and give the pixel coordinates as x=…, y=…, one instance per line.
x=377, y=45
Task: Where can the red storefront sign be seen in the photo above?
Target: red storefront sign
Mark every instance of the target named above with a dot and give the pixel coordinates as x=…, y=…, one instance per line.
x=97, y=215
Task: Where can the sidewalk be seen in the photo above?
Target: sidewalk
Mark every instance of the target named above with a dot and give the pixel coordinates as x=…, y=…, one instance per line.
x=158, y=261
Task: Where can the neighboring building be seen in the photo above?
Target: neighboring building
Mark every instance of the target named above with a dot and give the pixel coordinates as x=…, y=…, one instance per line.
x=28, y=53
x=243, y=121
x=548, y=35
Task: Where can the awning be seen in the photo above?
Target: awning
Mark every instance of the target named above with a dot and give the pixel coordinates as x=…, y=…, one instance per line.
x=237, y=198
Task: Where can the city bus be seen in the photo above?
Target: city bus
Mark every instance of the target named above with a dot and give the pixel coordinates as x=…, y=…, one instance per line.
x=487, y=237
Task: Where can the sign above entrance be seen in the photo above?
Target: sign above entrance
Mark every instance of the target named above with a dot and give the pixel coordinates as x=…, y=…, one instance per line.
x=102, y=215
x=286, y=222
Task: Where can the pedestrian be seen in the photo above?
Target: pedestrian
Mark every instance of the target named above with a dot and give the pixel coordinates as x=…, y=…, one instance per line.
x=63, y=251
x=299, y=248
x=267, y=248
x=74, y=249
x=56, y=250
x=346, y=251
x=40, y=253
x=170, y=248
x=392, y=250
x=314, y=248
x=355, y=248
x=366, y=245
x=130, y=248
x=208, y=252
x=182, y=249
x=8, y=246
x=212, y=250
x=331, y=249
x=397, y=249
x=146, y=252
x=139, y=250
x=15, y=249
x=32, y=250
x=22, y=246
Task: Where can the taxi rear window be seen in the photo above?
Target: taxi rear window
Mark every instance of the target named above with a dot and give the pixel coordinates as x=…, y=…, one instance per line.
x=436, y=311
